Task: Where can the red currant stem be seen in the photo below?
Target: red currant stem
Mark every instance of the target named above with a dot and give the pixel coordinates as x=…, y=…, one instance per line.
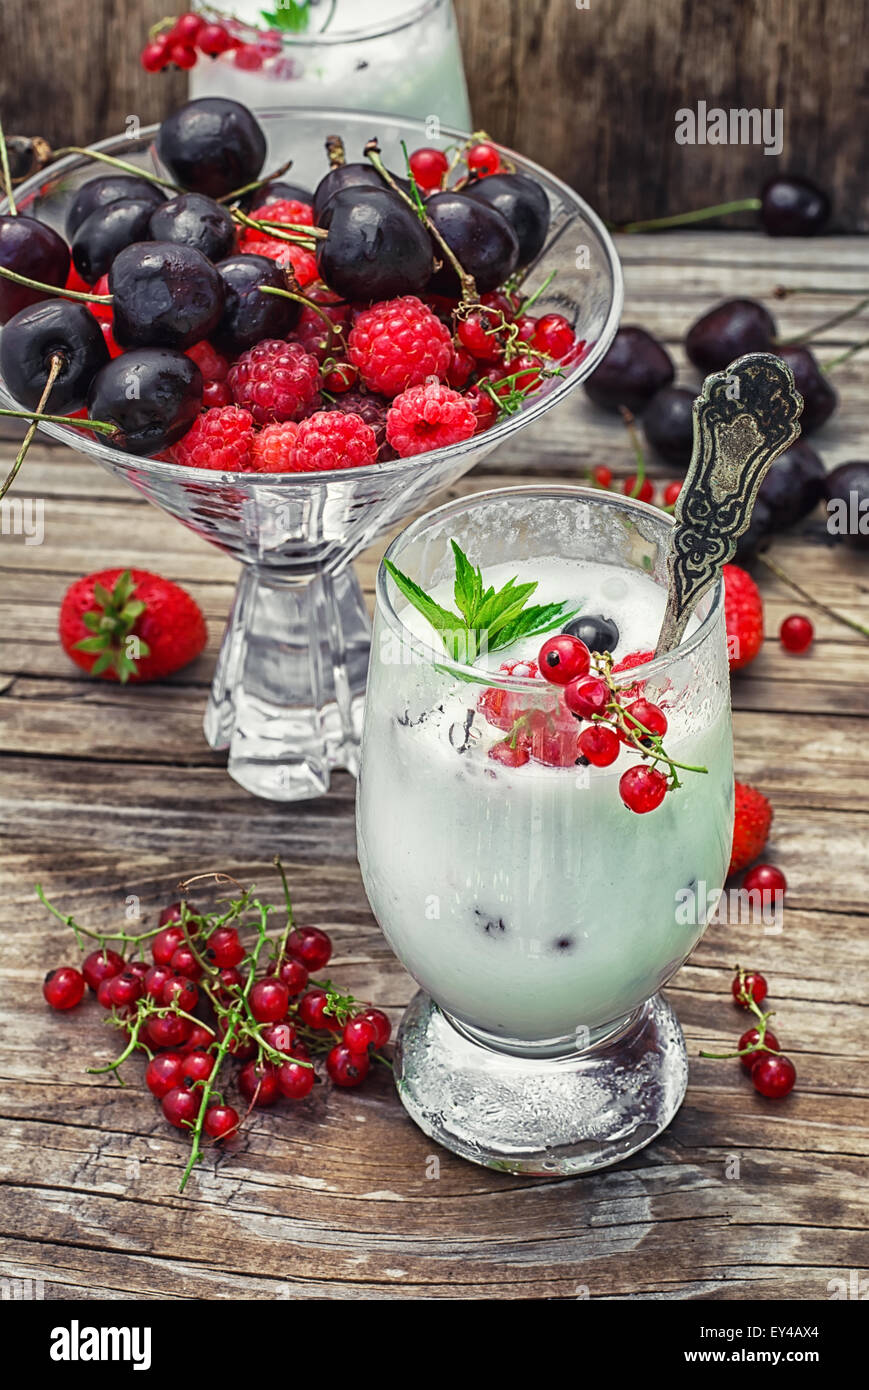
x=835, y=362
x=118, y=164
x=7, y=174
x=196, y=1138
x=335, y=152
x=630, y=425
x=54, y=289
x=101, y=937
x=804, y=594
x=379, y=1057
x=469, y=288
x=532, y=299
x=833, y=322
x=132, y=1045
x=683, y=219
x=298, y=234
x=57, y=363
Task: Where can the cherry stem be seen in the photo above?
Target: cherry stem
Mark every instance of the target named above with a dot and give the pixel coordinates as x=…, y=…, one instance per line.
x=7, y=174
x=57, y=365
x=117, y=164
x=835, y=362
x=822, y=327
x=804, y=594
x=532, y=299
x=54, y=289
x=101, y=426
x=335, y=151
x=682, y=219
x=281, y=231
x=631, y=427
x=783, y=291
x=308, y=304
x=289, y=902
x=257, y=183
x=467, y=282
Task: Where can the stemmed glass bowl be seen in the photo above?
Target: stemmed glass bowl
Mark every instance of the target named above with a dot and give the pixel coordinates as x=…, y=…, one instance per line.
x=539, y=915
x=287, y=695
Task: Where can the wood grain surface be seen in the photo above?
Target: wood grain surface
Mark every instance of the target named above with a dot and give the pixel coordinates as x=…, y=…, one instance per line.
x=590, y=90
x=107, y=793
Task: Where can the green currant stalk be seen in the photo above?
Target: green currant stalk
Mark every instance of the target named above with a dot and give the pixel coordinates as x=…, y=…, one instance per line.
x=762, y=1024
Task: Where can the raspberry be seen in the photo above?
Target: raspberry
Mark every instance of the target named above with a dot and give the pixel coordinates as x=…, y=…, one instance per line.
x=428, y=417
x=287, y=210
x=372, y=409
x=211, y=364
x=273, y=449
x=275, y=381
x=333, y=439
x=219, y=438
x=287, y=255
x=399, y=343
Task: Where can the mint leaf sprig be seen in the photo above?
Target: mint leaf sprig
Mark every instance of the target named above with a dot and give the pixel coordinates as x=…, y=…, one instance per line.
x=488, y=619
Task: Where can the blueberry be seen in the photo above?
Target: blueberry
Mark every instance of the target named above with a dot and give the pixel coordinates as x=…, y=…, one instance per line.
x=598, y=633
x=62, y=327
x=191, y=219
x=110, y=188
x=164, y=296
x=212, y=146
x=151, y=395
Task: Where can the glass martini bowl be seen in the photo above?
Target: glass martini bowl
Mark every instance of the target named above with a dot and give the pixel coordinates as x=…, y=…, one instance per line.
x=287, y=696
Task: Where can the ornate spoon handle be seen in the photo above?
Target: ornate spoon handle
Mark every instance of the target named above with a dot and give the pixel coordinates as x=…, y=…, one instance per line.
x=743, y=418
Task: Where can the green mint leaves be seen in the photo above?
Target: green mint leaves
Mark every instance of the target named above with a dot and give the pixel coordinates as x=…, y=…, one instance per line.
x=487, y=620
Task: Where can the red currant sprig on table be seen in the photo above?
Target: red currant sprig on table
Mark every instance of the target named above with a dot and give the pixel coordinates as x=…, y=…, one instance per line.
x=615, y=717
x=772, y=1073
x=212, y=998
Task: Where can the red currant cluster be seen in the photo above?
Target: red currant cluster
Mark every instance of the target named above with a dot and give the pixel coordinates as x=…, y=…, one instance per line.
x=179, y=42
x=207, y=995
x=636, y=485
x=616, y=716
x=772, y=1073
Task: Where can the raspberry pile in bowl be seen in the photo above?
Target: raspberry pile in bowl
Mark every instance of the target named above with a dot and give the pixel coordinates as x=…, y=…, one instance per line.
x=221, y=319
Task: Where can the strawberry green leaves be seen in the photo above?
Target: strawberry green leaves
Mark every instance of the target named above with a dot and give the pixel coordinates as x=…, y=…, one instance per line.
x=112, y=626
x=487, y=619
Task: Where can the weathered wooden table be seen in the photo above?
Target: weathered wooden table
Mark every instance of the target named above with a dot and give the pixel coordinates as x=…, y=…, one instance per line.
x=109, y=792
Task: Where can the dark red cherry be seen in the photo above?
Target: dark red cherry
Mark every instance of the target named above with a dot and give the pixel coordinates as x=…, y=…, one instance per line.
x=164, y=296
x=212, y=145
x=376, y=248
x=848, y=490
x=106, y=232
x=151, y=395
x=191, y=219
x=248, y=314
x=793, y=487
x=634, y=369
x=819, y=396
x=341, y=178
x=30, y=248
x=109, y=188
x=756, y=538
x=729, y=331
x=482, y=239
x=793, y=206
x=56, y=327
x=524, y=204
x=668, y=424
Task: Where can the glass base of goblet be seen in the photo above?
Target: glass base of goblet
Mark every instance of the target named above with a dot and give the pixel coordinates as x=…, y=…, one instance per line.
x=542, y=1116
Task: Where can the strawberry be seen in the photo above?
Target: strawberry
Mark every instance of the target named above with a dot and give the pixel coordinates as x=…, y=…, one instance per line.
x=130, y=625
x=743, y=616
x=751, y=824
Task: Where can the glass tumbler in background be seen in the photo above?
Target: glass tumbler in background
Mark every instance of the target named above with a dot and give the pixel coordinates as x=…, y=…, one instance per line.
x=539, y=915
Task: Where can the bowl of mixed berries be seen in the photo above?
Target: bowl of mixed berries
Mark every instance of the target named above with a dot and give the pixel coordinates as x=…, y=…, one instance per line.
x=289, y=329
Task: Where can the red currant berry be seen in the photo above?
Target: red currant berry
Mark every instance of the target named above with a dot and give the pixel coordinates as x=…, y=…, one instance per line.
x=165, y=944
x=248, y=58
x=510, y=754
x=602, y=475
x=181, y=1107
x=774, y=1077
x=172, y=913
x=554, y=336
x=198, y=1066
x=104, y=999
x=156, y=979
x=229, y=983
x=215, y=395
x=139, y=968
x=182, y=55
x=587, y=697
x=340, y=378
x=64, y=987
x=642, y=789
x=748, y=984
x=483, y=159
x=484, y=408
x=642, y=491
x=428, y=167
x=187, y=27
x=199, y=1040
x=224, y=948
x=168, y=1030
x=269, y=1000
x=359, y=1034
x=184, y=962
x=526, y=327
x=220, y=1122
x=295, y=1080
x=101, y=965
x=643, y=717
x=258, y=1083
x=154, y=56
x=767, y=880
x=181, y=991
x=213, y=39
x=461, y=369
x=280, y=1036
x=563, y=658
x=478, y=335
x=750, y=1039
x=599, y=745
x=311, y=946
x=163, y=1073
x=796, y=633
x=347, y=1068
x=240, y=1048
x=293, y=974
x=671, y=493
x=380, y=1023
x=312, y=1011
x=125, y=989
